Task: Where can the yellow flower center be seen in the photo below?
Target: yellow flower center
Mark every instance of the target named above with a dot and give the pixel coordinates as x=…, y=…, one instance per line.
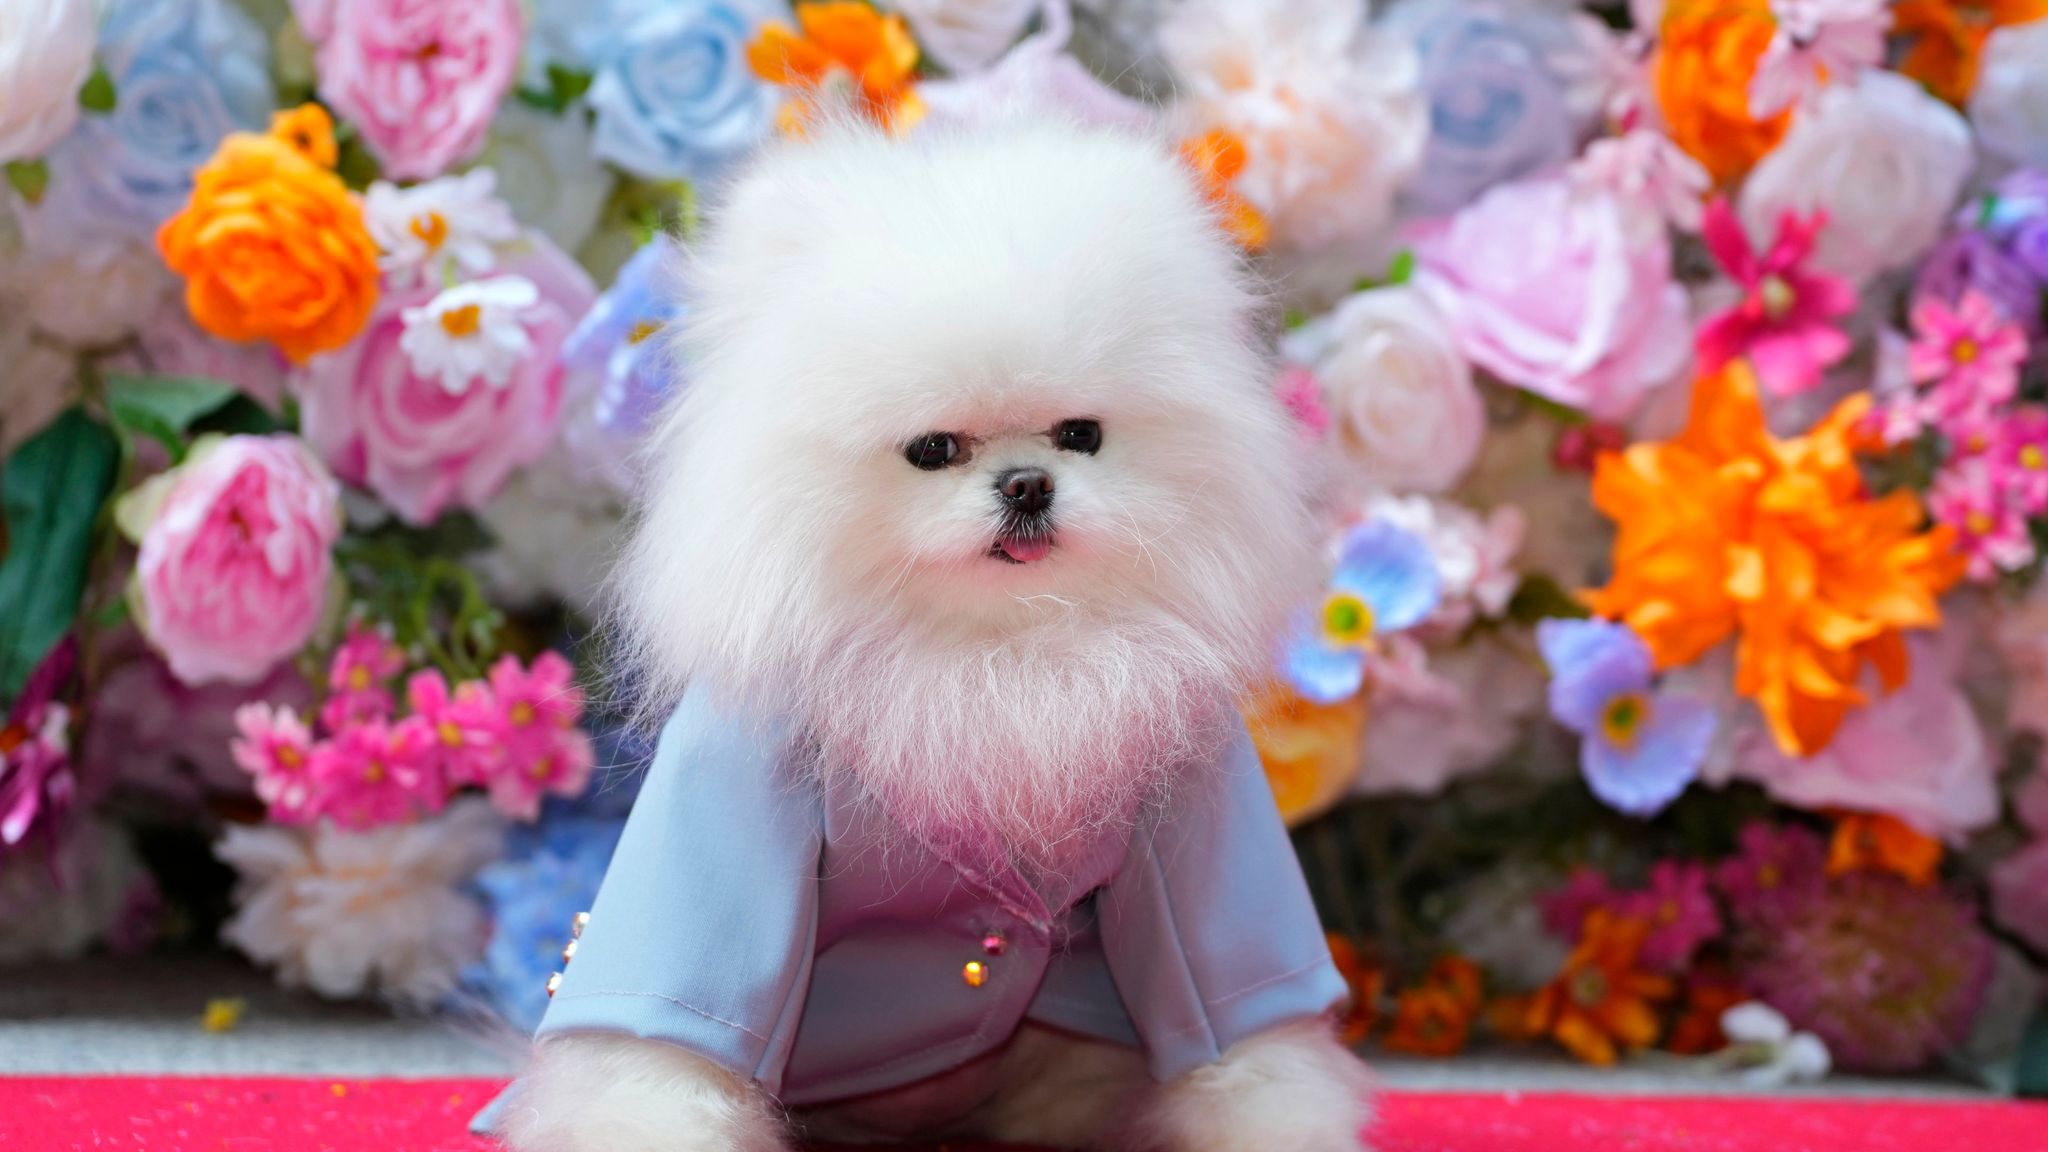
x=289, y=757
x=2031, y=458
x=1964, y=351
x=642, y=331
x=431, y=229
x=521, y=714
x=358, y=678
x=1589, y=987
x=375, y=772
x=1978, y=523
x=463, y=321
x=1768, y=876
x=1347, y=620
x=543, y=767
x=449, y=733
x=1624, y=717
x=1777, y=297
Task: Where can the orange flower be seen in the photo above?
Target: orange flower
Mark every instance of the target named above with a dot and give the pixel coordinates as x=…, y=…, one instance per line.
x=1458, y=976
x=1697, y=1031
x=1946, y=39
x=1601, y=999
x=1874, y=842
x=1509, y=1018
x=1429, y=1020
x=842, y=50
x=1311, y=752
x=1729, y=530
x=1367, y=983
x=1706, y=56
x=309, y=131
x=272, y=246
x=1217, y=158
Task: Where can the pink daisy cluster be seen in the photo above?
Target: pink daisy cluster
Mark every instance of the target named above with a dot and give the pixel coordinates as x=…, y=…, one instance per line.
x=516, y=735
x=1964, y=372
x=1677, y=904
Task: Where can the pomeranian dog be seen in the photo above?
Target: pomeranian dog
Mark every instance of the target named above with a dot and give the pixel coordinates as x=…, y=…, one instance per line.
x=976, y=518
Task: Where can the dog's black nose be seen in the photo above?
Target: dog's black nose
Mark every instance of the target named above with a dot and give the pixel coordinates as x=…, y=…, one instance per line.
x=1026, y=490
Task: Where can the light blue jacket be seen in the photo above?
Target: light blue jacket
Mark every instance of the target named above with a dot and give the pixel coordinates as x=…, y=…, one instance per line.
x=782, y=932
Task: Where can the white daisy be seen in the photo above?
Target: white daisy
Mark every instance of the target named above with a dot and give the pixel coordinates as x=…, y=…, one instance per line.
x=471, y=330
x=439, y=229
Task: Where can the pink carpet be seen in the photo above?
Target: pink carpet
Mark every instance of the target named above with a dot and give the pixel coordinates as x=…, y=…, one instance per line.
x=115, y=1114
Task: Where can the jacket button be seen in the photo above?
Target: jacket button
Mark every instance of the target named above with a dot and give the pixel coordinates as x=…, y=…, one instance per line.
x=976, y=973
x=568, y=952
x=554, y=982
x=577, y=925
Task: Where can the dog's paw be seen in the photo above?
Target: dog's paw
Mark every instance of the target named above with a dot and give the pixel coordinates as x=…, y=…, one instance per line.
x=1294, y=1087
x=619, y=1094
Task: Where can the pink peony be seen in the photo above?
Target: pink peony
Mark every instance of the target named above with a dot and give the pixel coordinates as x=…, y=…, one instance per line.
x=377, y=773
x=419, y=446
x=1548, y=287
x=236, y=556
x=1785, y=322
x=419, y=79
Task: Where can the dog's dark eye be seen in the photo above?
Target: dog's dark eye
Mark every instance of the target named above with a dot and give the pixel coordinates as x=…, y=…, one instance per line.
x=1078, y=436
x=933, y=450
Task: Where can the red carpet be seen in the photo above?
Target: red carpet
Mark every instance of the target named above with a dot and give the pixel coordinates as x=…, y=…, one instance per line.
x=249, y=1115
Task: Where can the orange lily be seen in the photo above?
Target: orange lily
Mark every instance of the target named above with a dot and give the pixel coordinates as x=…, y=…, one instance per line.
x=1602, y=1000
x=842, y=49
x=1946, y=39
x=1875, y=842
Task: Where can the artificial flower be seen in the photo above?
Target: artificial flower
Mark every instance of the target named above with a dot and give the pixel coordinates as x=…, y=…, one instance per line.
x=44, y=61
x=1565, y=907
x=169, y=343
x=154, y=736
x=2019, y=893
x=1328, y=109
x=359, y=678
x=440, y=231
x=1776, y=868
x=1817, y=41
x=1407, y=415
x=1217, y=158
x=2018, y=457
x=1887, y=974
x=1882, y=158
x=1991, y=531
x=37, y=784
x=1973, y=261
x=1429, y=1020
x=1769, y=1053
x=619, y=377
x=274, y=746
x=842, y=50
x=419, y=79
x=1602, y=1001
x=672, y=92
x=1458, y=717
x=474, y=332
x=1875, y=842
x=1474, y=554
x=1310, y=751
x=1706, y=62
x=544, y=751
x=376, y=772
x=1494, y=921
x=185, y=74
x=967, y=35
x=420, y=447
x=548, y=173
x=1678, y=905
x=62, y=904
x=1385, y=582
x=91, y=294
x=349, y=912
x=1367, y=982
x=1647, y=172
x=1786, y=322
x=273, y=247
x=1552, y=288
x=1639, y=748
x=1499, y=107
x=1728, y=530
x=1696, y=1031
x=1037, y=73
x=533, y=896
x=555, y=528
x=234, y=564
x=1971, y=349
x=2009, y=106
x=466, y=724
x=1946, y=39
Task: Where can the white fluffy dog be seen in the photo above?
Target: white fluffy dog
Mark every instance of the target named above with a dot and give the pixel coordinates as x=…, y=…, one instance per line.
x=980, y=485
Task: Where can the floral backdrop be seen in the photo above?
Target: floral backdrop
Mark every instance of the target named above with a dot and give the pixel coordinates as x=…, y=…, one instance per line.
x=1678, y=371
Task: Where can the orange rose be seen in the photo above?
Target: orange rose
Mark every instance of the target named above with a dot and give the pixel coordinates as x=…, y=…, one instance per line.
x=272, y=246
x=1946, y=39
x=1705, y=60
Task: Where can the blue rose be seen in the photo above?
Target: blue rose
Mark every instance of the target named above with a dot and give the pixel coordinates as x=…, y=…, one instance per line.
x=673, y=94
x=1498, y=110
x=620, y=373
x=186, y=73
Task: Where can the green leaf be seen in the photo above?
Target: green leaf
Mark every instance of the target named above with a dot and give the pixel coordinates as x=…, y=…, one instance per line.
x=164, y=408
x=55, y=485
x=98, y=93
x=2030, y=1067
x=240, y=416
x=1538, y=597
x=1403, y=267
x=31, y=178
x=565, y=87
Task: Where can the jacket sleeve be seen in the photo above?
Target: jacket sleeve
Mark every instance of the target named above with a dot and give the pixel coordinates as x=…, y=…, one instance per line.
x=702, y=933
x=1209, y=929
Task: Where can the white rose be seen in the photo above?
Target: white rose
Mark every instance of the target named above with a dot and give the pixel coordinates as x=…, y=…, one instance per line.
x=1402, y=403
x=966, y=35
x=98, y=294
x=45, y=57
x=2010, y=104
x=1330, y=111
x=548, y=173
x=1886, y=160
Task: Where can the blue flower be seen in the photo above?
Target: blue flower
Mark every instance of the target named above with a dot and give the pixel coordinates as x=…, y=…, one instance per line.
x=1638, y=748
x=550, y=874
x=185, y=73
x=673, y=94
x=1386, y=581
x=620, y=371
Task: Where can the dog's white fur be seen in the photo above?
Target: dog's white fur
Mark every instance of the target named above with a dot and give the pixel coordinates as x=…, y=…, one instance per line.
x=857, y=292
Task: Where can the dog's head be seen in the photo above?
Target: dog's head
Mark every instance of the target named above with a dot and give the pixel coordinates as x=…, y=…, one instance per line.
x=959, y=394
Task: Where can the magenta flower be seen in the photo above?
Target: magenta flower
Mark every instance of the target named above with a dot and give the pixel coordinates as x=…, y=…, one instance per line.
x=1564, y=910
x=1785, y=322
x=1773, y=870
x=377, y=773
x=1970, y=352
x=2019, y=455
x=559, y=767
x=537, y=701
x=36, y=781
x=1302, y=396
x=1679, y=908
x=359, y=679
x=1991, y=529
x=465, y=722
x=276, y=749
x=544, y=752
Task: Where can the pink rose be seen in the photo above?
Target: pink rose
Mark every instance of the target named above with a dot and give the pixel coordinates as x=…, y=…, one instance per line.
x=420, y=446
x=236, y=560
x=1548, y=287
x=420, y=79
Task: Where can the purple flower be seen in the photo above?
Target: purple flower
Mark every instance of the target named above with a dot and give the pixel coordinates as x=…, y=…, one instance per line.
x=1973, y=261
x=1386, y=581
x=36, y=783
x=1679, y=908
x=1639, y=748
x=2029, y=246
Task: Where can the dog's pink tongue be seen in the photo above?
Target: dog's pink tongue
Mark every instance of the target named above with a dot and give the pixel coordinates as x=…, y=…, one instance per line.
x=1025, y=549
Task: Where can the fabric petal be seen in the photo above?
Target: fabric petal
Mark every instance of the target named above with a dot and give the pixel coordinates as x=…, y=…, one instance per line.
x=1664, y=758
x=1591, y=662
x=1393, y=571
